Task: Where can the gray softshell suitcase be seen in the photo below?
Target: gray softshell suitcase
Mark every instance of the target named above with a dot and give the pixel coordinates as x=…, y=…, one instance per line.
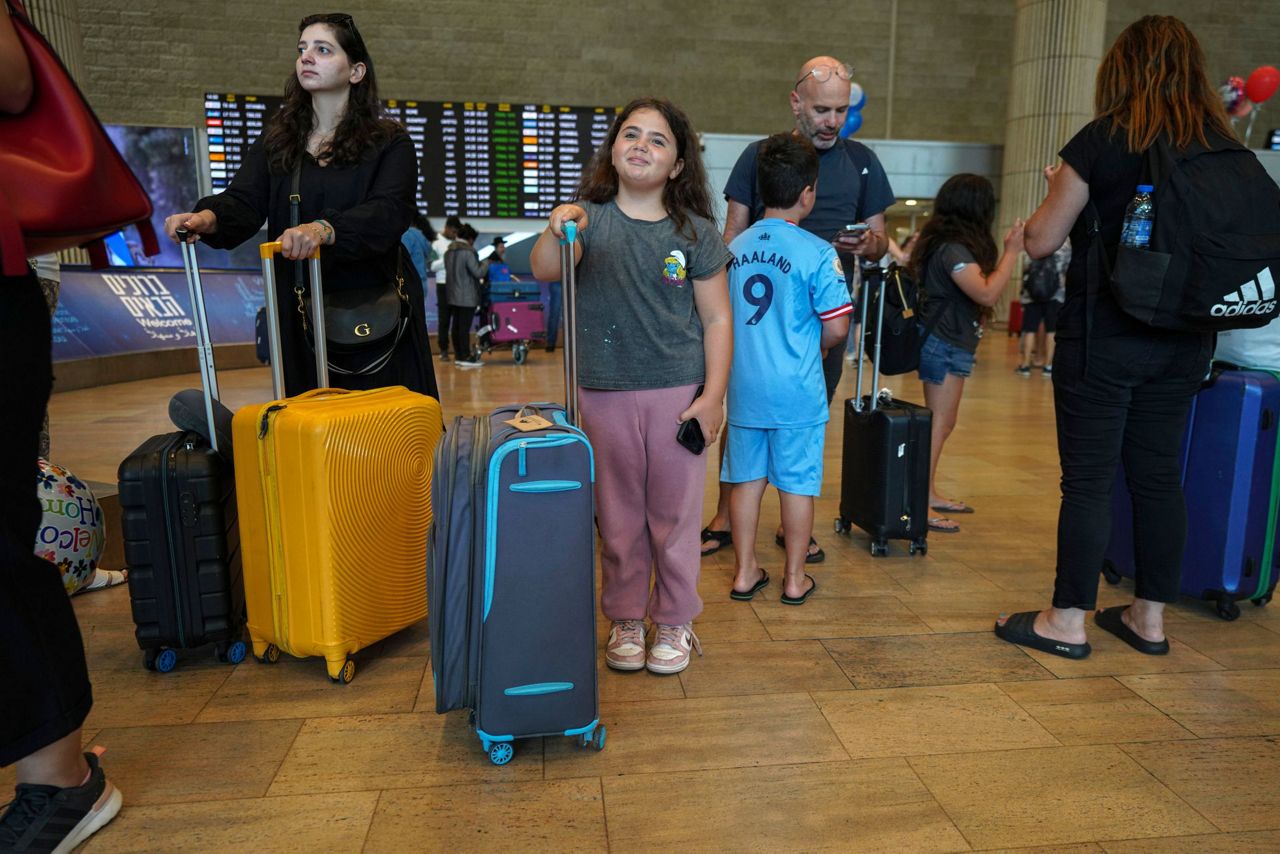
x=511, y=574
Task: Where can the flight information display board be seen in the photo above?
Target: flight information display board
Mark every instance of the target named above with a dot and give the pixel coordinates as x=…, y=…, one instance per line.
x=476, y=159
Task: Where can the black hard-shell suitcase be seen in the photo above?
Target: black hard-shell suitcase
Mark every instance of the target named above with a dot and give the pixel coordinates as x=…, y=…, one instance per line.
x=511, y=568
x=884, y=480
x=181, y=539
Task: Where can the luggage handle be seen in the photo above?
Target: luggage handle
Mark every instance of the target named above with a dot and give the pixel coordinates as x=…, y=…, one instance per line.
x=875, y=376
x=267, y=252
x=204, y=342
x=569, y=283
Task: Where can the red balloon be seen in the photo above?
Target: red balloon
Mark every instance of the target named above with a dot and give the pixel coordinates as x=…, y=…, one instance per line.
x=1262, y=83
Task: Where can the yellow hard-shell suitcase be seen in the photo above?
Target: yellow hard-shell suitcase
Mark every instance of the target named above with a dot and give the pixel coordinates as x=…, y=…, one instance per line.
x=334, y=496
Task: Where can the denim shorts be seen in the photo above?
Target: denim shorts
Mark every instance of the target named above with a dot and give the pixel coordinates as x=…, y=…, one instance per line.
x=938, y=358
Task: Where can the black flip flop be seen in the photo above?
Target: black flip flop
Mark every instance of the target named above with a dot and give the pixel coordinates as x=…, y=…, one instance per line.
x=746, y=595
x=800, y=600
x=957, y=507
x=720, y=538
x=1020, y=629
x=811, y=557
x=1108, y=619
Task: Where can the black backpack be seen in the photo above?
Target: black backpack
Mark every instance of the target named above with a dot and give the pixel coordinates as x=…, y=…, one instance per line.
x=1215, y=243
x=902, y=336
x=1041, y=279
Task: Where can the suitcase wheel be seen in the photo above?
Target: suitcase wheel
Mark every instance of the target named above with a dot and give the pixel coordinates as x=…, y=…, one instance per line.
x=918, y=547
x=520, y=352
x=1227, y=608
x=236, y=653
x=598, y=741
x=271, y=655
x=879, y=548
x=166, y=660
x=501, y=753
x=346, y=674
x=1110, y=573
x=841, y=525
x=149, y=659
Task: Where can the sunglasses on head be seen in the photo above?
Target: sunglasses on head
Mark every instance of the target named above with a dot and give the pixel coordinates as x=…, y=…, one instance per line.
x=334, y=19
x=822, y=73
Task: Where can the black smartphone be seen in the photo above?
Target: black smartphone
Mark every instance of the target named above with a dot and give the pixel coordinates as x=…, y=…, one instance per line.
x=689, y=434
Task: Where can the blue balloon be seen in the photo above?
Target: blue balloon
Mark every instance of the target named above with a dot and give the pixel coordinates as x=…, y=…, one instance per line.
x=857, y=98
x=851, y=125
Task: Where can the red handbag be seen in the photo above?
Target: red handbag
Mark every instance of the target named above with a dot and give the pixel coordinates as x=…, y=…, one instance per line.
x=62, y=181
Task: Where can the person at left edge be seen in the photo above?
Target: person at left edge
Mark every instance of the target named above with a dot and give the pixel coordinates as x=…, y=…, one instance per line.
x=358, y=177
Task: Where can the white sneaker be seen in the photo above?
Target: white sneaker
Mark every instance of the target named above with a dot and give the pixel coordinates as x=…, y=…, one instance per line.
x=671, y=647
x=467, y=363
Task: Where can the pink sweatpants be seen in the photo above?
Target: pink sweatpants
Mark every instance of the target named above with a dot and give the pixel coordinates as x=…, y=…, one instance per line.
x=648, y=501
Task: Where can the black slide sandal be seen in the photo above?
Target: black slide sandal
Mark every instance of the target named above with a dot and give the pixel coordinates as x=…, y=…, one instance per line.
x=1109, y=620
x=1020, y=629
x=720, y=538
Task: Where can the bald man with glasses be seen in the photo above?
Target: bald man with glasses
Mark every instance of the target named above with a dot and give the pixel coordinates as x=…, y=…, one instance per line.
x=852, y=188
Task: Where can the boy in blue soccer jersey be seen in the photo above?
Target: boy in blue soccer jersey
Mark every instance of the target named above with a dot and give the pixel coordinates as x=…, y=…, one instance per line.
x=790, y=305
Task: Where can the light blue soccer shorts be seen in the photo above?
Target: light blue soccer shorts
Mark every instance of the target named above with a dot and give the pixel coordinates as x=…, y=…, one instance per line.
x=789, y=457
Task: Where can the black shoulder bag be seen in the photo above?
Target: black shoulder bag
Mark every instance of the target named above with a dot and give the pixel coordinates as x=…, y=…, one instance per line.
x=363, y=326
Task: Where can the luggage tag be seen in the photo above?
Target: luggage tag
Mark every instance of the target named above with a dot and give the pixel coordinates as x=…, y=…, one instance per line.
x=529, y=423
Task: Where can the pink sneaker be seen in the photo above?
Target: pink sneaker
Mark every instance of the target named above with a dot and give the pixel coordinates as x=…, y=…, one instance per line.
x=626, y=645
x=670, y=650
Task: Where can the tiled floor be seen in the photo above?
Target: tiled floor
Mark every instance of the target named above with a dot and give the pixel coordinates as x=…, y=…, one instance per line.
x=881, y=716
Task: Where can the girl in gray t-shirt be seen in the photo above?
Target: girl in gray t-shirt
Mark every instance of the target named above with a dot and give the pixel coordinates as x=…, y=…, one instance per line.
x=654, y=346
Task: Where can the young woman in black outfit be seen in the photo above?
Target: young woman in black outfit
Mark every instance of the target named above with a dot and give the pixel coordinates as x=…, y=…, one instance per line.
x=358, y=177
x=1131, y=403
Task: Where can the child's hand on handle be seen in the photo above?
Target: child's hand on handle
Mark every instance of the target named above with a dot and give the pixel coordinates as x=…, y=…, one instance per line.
x=710, y=415
x=563, y=214
x=196, y=224
x=1013, y=238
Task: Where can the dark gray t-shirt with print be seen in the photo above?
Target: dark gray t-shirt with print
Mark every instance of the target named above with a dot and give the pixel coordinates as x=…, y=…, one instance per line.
x=960, y=322
x=638, y=325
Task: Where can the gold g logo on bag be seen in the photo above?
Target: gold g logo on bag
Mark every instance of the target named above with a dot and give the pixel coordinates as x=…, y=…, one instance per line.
x=362, y=329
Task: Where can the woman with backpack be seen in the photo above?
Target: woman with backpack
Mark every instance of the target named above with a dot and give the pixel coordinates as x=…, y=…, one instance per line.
x=1122, y=388
x=955, y=259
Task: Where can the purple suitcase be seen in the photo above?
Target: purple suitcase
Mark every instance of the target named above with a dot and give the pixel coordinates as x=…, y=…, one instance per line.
x=1231, y=479
x=516, y=321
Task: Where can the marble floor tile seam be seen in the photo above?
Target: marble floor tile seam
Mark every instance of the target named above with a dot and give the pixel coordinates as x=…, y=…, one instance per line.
x=1171, y=790
x=1191, y=736
x=373, y=816
x=1098, y=841
x=1105, y=842
x=941, y=806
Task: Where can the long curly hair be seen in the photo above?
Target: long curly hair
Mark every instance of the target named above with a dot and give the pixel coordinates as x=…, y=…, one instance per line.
x=963, y=213
x=362, y=125
x=687, y=193
x=1153, y=81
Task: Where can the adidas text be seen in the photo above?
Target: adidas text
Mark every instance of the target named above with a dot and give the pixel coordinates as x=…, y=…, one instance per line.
x=1256, y=296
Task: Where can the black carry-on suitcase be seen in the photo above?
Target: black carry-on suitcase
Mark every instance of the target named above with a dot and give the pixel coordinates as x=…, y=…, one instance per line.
x=884, y=478
x=511, y=569
x=181, y=540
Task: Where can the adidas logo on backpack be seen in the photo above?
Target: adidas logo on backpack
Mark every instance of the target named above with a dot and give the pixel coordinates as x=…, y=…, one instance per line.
x=1256, y=296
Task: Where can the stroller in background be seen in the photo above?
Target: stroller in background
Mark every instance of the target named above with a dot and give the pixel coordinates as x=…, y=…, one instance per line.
x=511, y=314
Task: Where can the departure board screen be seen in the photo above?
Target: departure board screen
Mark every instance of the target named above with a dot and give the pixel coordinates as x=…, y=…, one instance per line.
x=476, y=159
x=232, y=123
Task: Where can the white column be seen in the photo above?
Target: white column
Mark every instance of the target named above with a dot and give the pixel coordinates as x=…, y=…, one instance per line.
x=1057, y=45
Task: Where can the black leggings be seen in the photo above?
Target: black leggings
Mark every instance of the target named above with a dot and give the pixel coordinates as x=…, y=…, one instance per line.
x=45, y=694
x=461, y=316
x=442, y=327
x=1132, y=407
